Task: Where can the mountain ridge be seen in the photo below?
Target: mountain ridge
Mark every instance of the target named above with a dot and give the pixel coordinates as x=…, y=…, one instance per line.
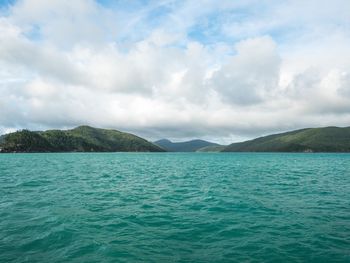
x=186, y=146
x=323, y=139
x=88, y=139
x=80, y=139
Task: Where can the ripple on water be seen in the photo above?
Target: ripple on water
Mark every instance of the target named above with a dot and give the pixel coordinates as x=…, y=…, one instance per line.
x=174, y=207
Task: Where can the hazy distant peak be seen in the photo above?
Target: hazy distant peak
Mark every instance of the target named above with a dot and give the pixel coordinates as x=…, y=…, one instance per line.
x=163, y=141
x=186, y=146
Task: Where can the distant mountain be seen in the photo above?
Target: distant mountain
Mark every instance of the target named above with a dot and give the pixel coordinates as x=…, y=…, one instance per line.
x=188, y=146
x=212, y=148
x=80, y=139
x=329, y=139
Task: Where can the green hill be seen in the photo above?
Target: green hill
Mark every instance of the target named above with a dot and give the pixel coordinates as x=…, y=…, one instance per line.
x=188, y=146
x=80, y=139
x=329, y=139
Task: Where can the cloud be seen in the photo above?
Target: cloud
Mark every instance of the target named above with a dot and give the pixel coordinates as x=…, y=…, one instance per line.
x=164, y=69
x=251, y=75
x=63, y=22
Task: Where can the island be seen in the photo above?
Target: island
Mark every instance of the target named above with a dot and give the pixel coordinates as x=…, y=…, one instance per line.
x=89, y=139
x=328, y=139
x=80, y=139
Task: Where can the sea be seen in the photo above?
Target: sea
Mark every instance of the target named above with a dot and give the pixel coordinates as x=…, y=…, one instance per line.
x=175, y=207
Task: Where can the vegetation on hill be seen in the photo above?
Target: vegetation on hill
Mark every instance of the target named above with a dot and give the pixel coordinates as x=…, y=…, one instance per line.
x=189, y=146
x=329, y=139
x=80, y=139
x=88, y=139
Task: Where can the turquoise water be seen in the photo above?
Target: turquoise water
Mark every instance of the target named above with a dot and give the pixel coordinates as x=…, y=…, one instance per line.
x=133, y=207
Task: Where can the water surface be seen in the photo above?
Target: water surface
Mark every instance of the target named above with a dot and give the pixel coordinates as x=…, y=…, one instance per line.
x=168, y=207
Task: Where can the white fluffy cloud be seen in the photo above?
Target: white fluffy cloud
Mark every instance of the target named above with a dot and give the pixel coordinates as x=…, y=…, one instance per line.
x=67, y=63
x=251, y=76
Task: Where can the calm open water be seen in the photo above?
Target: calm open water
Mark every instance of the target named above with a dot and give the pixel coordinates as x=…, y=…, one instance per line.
x=168, y=207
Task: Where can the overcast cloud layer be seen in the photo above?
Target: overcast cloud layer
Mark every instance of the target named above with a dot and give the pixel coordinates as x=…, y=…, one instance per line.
x=220, y=70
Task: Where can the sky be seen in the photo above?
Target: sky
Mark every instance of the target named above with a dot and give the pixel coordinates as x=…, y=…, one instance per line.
x=224, y=70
